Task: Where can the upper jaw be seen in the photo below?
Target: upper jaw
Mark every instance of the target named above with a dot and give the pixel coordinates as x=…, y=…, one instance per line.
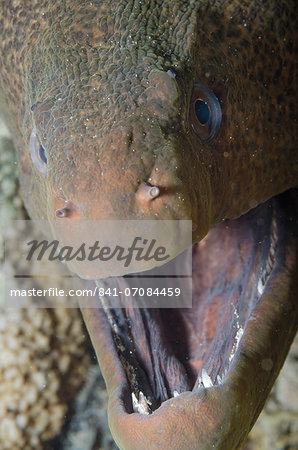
x=219, y=415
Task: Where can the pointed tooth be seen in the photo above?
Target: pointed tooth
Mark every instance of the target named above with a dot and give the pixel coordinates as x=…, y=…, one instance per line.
x=260, y=287
x=134, y=402
x=141, y=405
x=207, y=382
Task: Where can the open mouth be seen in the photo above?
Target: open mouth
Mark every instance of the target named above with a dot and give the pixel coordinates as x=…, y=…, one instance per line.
x=243, y=280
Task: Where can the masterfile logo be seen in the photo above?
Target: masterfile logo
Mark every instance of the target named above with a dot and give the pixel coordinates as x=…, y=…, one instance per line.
x=140, y=250
x=132, y=263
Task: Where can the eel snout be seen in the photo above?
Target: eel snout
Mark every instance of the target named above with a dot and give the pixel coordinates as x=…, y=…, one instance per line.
x=162, y=201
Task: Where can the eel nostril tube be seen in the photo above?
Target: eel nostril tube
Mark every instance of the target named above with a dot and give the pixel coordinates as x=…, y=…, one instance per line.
x=61, y=213
x=153, y=192
x=146, y=192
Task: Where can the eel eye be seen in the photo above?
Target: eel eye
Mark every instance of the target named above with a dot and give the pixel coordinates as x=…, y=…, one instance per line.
x=205, y=112
x=37, y=153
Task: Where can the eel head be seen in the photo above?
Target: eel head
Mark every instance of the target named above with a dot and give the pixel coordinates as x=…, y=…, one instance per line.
x=171, y=110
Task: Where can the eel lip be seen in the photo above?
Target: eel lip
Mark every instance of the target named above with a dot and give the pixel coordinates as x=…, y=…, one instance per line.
x=199, y=378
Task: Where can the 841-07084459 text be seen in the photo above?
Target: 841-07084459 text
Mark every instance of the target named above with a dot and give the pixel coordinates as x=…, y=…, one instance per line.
x=108, y=292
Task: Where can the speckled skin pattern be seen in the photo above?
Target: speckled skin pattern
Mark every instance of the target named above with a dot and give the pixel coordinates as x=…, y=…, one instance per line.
x=92, y=77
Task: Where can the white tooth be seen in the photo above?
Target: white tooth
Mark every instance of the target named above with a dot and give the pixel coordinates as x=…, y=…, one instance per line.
x=141, y=405
x=236, y=313
x=176, y=393
x=134, y=401
x=219, y=379
x=238, y=337
x=207, y=382
x=260, y=287
x=199, y=381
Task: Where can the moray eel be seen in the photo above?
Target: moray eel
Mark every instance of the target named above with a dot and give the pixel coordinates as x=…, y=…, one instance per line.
x=170, y=110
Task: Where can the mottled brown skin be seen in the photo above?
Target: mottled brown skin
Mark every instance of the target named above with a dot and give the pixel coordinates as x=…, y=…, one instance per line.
x=91, y=76
x=110, y=117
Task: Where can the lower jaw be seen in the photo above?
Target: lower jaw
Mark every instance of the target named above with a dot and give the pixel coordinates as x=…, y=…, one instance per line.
x=199, y=377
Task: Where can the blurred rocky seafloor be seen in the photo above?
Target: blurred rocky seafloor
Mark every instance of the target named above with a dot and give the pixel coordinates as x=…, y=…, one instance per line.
x=52, y=395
